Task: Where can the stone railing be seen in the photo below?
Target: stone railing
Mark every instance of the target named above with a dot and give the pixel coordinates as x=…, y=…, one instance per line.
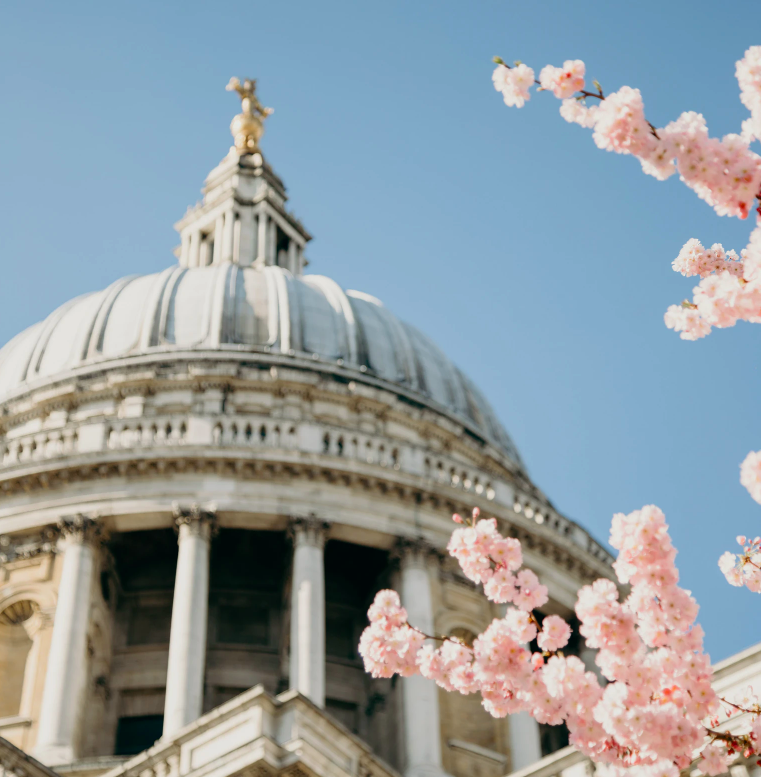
x=16, y=763
x=566, y=762
x=259, y=735
x=259, y=432
x=242, y=432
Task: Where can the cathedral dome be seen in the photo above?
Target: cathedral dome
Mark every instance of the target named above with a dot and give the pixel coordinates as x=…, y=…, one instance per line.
x=254, y=312
x=206, y=475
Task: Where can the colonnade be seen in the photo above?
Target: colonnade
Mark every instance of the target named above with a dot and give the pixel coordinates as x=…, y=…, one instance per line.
x=244, y=236
x=66, y=668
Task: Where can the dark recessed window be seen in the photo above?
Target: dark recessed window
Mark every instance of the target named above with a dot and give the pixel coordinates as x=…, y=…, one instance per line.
x=150, y=625
x=344, y=712
x=238, y=625
x=340, y=641
x=553, y=738
x=135, y=734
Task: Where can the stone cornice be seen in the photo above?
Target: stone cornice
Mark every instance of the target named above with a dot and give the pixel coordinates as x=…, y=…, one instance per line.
x=390, y=484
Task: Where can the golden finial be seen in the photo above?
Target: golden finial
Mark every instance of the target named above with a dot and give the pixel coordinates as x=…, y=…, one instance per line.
x=248, y=126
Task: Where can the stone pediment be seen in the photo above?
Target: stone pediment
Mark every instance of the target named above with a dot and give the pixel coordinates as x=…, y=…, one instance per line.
x=259, y=735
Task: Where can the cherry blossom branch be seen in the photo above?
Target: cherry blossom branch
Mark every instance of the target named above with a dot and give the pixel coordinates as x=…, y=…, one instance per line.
x=725, y=173
x=756, y=709
x=744, y=569
x=650, y=649
x=435, y=638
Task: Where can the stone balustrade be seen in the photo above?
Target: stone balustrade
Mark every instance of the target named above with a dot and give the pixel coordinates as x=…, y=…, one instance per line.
x=245, y=432
x=566, y=762
x=259, y=431
x=14, y=762
x=258, y=734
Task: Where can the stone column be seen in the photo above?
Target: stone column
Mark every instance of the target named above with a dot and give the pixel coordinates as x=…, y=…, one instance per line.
x=293, y=251
x=244, y=252
x=190, y=611
x=194, y=249
x=219, y=232
x=422, y=731
x=228, y=236
x=261, y=238
x=66, y=670
x=272, y=242
x=525, y=742
x=307, y=659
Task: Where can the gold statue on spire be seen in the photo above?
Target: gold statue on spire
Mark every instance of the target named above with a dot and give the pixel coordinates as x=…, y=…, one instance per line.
x=248, y=126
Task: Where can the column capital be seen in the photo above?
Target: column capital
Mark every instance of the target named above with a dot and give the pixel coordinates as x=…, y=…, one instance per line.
x=414, y=552
x=80, y=529
x=200, y=520
x=308, y=530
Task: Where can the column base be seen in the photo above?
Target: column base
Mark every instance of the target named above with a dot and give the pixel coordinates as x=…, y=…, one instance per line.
x=55, y=755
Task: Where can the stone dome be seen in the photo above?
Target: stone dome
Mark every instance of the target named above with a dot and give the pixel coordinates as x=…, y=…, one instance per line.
x=206, y=475
x=264, y=311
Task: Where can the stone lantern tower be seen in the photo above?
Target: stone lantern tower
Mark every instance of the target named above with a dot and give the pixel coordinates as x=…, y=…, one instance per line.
x=206, y=474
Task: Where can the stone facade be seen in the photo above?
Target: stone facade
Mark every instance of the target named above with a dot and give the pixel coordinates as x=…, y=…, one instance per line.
x=205, y=477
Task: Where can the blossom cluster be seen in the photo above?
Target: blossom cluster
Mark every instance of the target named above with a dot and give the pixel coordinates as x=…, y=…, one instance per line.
x=748, y=74
x=564, y=81
x=723, y=172
x=743, y=569
x=729, y=290
x=650, y=714
x=513, y=83
x=487, y=557
x=750, y=474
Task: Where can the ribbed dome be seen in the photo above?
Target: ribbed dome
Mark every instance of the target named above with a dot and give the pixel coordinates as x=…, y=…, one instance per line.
x=227, y=307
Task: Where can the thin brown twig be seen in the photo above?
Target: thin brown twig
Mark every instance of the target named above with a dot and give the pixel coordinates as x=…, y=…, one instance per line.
x=437, y=638
x=583, y=93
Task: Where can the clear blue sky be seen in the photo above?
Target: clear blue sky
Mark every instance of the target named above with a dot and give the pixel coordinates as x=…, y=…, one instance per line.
x=540, y=264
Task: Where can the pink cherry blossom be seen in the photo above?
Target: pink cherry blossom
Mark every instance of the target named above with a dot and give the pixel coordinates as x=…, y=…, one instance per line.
x=687, y=321
x=532, y=594
x=555, y=633
x=621, y=125
x=514, y=83
x=520, y=625
x=729, y=290
x=750, y=474
x=576, y=112
x=743, y=569
x=748, y=74
x=650, y=649
x=714, y=761
x=651, y=714
x=693, y=259
x=722, y=171
x=564, y=81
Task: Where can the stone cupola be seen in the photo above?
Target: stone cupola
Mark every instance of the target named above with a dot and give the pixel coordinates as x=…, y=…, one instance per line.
x=242, y=218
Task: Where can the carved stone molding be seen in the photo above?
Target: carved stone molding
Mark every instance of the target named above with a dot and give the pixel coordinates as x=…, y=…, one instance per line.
x=12, y=548
x=308, y=530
